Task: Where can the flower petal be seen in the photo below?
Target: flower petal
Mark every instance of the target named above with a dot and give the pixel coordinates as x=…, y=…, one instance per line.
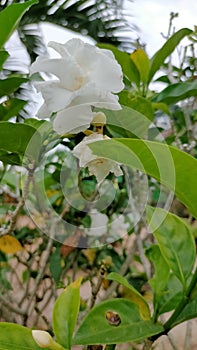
x=66, y=69
x=73, y=120
x=55, y=97
x=100, y=65
x=97, y=97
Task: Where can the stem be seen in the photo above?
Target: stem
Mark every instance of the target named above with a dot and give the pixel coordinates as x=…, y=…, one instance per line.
x=172, y=320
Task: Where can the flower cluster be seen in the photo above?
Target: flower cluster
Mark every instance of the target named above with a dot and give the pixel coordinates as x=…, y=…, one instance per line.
x=83, y=76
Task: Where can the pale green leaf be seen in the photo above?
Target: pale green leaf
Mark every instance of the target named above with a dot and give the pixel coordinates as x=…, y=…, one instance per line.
x=65, y=313
x=15, y=337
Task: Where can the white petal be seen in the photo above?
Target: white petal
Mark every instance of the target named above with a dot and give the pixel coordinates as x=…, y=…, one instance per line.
x=55, y=97
x=66, y=69
x=97, y=97
x=73, y=120
x=100, y=65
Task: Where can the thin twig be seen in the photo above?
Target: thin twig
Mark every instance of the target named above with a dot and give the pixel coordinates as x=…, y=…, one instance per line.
x=19, y=206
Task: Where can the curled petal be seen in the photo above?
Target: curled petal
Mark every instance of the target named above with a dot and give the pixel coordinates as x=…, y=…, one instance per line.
x=70, y=75
x=73, y=120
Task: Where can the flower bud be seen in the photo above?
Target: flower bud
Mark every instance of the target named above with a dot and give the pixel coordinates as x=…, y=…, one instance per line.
x=42, y=338
x=99, y=119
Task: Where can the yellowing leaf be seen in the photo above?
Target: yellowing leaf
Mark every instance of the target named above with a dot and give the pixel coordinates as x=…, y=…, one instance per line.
x=142, y=62
x=10, y=245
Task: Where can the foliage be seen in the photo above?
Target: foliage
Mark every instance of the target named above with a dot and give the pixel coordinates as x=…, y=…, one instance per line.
x=147, y=218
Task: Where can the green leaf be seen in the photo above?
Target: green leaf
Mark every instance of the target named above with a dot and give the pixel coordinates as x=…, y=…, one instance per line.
x=10, y=158
x=15, y=337
x=189, y=312
x=142, y=62
x=55, y=265
x=96, y=329
x=128, y=66
x=136, y=297
x=10, y=17
x=159, y=57
x=11, y=84
x=158, y=282
x=3, y=57
x=175, y=241
x=175, y=169
x=16, y=138
x=140, y=104
x=161, y=106
x=132, y=122
x=11, y=108
x=177, y=92
x=171, y=296
x=65, y=313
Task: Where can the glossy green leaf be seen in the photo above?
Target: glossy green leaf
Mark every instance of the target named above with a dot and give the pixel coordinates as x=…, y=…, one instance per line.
x=177, y=92
x=159, y=57
x=3, y=57
x=65, y=313
x=15, y=137
x=175, y=169
x=11, y=108
x=128, y=67
x=11, y=84
x=142, y=62
x=10, y=17
x=97, y=329
x=175, y=241
x=55, y=265
x=136, y=297
x=15, y=337
x=140, y=104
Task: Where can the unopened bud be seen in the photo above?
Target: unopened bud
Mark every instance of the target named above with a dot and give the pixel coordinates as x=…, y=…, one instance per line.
x=99, y=119
x=42, y=338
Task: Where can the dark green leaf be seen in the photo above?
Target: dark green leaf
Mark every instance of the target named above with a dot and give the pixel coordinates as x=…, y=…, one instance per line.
x=166, y=50
x=175, y=241
x=15, y=337
x=65, y=313
x=11, y=84
x=96, y=329
x=172, y=295
x=10, y=17
x=10, y=158
x=177, y=92
x=55, y=265
x=175, y=169
x=128, y=66
x=11, y=108
x=189, y=312
x=16, y=138
x=3, y=57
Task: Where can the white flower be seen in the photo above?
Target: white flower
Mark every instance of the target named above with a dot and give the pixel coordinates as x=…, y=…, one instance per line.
x=84, y=76
x=98, y=166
